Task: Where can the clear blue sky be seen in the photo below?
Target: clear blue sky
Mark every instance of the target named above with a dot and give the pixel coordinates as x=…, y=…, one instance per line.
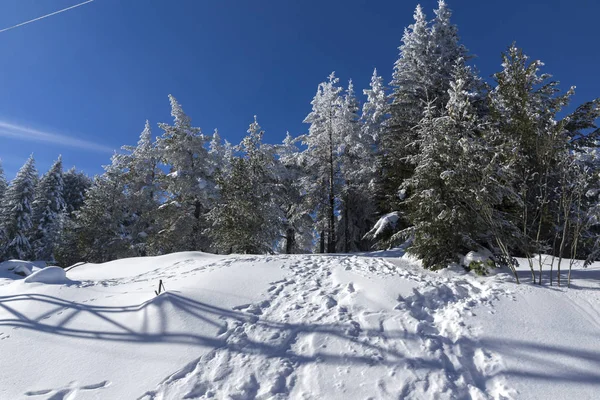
x=94, y=74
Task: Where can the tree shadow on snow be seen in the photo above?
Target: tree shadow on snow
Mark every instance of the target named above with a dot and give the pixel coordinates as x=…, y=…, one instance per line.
x=149, y=322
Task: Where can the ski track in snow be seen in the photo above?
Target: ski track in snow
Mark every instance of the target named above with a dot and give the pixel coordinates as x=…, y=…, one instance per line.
x=309, y=339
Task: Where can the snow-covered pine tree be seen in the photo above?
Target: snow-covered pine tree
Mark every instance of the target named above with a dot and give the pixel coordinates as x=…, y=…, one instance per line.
x=445, y=51
x=524, y=107
x=48, y=212
x=16, y=217
x=100, y=223
x=220, y=154
x=375, y=109
x=75, y=184
x=454, y=171
x=3, y=182
x=322, y=159
x=142, y=176
x=410, y=91
x=189, y=185
x=357, y=171
x=422, y=75
x=247, y=218
x=298, y=224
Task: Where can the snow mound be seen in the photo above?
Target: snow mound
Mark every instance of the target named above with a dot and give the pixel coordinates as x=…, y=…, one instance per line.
x=49, y=275
x=23, y=268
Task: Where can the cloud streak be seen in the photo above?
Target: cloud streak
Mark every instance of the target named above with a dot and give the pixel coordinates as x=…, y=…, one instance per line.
x=45, y=16
x=14, y=131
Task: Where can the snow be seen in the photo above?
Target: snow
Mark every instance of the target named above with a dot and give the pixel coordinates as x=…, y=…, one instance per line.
x=17, y=269
x=386, y=222
x=373, y=325
x=49, y=275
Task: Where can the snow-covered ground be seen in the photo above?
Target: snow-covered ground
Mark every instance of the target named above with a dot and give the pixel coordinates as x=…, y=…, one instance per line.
x=370, y=326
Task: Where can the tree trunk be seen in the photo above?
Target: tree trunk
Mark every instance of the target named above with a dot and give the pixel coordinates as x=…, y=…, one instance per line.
x=290, y=240
x=346, y=225
x=322, y=244
x=331, y=237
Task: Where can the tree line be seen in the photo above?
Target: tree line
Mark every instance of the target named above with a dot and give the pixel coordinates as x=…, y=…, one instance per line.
x=438, y=157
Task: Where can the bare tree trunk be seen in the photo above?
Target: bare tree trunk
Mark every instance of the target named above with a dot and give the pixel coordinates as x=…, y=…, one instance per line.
x=576, y=233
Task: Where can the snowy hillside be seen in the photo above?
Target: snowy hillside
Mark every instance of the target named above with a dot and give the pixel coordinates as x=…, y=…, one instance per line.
x=302, y=327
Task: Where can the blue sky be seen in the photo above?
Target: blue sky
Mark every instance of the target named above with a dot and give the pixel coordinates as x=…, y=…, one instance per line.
x=88, y=78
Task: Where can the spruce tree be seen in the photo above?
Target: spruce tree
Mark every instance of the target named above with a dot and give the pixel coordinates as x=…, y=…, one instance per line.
x=524, y=107
x=48, y=212
x=3, y=182
x=189, y=185
x=16, y=217
x=422, y=75
x=357, y=171
x=322, y=159
x=101, y=233
x=247, y=218
x=75, y=185
x=142, y=176
x=297, y=223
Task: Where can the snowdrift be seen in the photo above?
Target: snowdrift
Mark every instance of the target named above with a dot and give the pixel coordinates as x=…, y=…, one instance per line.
x=49, y=275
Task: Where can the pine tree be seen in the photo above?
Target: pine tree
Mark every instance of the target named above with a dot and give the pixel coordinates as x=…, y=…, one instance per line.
x=189, y=185
x=357, y=171
x=410, y=88
x=48, y=212
x=524, y=106
x=456, y=180
x=100, y=222
x=75, y=186
x=142, y=176
x=16, y=218
x=322, y=159
x=375, y=110
x=421, y=77
x=220, y=154
x=297, y=223
x=247, y=218
x=3, y=183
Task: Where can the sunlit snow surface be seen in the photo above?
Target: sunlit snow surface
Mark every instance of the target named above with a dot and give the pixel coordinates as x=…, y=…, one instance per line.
x=301, y=327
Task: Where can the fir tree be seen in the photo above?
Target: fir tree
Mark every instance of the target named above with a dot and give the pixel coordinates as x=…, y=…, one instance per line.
x=48, y=212
x=246, y=218
x=3, y=183
x=75, y=185
x=100, y=223
x=357, y=171
x=422, y=76
x=142, y=177
x=297, y=223
x=322, y=159
x=189, y=185
x=16, y=218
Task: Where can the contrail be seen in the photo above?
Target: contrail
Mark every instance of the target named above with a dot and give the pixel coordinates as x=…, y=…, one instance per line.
x=45, y=16
x=20, y=132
